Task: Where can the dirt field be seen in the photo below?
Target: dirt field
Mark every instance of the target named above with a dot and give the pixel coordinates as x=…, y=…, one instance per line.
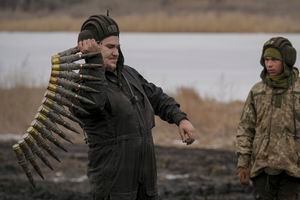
x=191, y=174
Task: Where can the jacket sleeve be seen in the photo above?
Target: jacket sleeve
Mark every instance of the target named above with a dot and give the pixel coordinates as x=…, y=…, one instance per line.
x=246, y=132
x=164, y=106
x=100, y=97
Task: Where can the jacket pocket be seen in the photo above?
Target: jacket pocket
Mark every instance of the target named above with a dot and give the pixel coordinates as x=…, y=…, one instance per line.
x=100, y=156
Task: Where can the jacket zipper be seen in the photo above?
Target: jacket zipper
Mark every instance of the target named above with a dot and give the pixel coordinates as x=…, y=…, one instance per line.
x=142, y=125
x=271, y=117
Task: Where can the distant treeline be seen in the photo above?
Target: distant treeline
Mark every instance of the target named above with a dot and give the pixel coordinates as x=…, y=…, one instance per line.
x=83, y=7
x=32, y=5
x=154, y=15
x=172, y=7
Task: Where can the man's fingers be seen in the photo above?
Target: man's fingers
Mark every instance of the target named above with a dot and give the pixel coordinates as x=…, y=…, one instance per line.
x=244, y=178
x=189, y=134
x=189, y=141
x=83, y=46
x=186, y=130
x=88, y=45
x=80, y=46
x=181, y=133
x=188, y=138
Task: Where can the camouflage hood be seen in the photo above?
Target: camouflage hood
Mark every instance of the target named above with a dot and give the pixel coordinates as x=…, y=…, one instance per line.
x=286, y=49
x=288, y=56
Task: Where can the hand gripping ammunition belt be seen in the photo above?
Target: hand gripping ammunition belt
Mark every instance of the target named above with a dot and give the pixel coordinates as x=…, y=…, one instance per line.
x=64, y=80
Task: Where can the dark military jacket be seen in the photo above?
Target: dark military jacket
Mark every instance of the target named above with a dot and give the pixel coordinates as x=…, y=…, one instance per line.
x=268, y=135
x=121, y=151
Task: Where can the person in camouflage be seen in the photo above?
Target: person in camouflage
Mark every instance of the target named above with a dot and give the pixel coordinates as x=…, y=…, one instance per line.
x=268, y=143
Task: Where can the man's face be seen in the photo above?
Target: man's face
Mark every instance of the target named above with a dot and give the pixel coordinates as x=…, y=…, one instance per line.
x=274, y=67
x=109, y=48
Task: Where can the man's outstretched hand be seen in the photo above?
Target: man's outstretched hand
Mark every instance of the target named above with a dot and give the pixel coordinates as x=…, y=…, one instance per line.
x=186, y=131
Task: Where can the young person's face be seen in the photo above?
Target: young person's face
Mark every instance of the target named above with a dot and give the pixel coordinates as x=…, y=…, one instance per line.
x=109, y=48
x=274, y=67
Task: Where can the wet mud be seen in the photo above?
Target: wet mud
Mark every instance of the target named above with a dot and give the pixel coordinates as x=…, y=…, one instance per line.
x=183, y=174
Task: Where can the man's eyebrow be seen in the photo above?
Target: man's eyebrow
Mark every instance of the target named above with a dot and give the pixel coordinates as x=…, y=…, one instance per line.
x=114, y=45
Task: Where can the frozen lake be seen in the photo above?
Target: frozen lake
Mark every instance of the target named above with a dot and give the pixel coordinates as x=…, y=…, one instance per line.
x=218, y=65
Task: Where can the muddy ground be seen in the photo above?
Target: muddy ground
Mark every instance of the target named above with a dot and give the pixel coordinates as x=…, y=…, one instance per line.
x=184, y=174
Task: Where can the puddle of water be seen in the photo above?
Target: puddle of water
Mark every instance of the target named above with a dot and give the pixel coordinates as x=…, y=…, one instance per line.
x=176, y=176
x=60, y=177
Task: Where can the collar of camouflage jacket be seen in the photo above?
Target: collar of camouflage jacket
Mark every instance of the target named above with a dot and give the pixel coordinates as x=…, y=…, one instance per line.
x=282, y=81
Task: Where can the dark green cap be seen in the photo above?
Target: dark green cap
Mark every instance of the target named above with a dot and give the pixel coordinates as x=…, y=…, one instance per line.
x=273, y=53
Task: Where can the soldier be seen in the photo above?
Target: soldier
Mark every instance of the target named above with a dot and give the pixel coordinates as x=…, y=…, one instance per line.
x=122, y=164
x=268, y=143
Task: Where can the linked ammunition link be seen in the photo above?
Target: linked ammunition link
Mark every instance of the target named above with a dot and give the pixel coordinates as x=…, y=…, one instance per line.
x=62, y=91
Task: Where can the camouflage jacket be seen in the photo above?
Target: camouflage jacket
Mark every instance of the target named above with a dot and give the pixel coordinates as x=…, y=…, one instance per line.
x=268, y=135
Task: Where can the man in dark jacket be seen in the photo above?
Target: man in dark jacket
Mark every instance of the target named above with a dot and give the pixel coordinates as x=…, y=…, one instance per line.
x=122, y=164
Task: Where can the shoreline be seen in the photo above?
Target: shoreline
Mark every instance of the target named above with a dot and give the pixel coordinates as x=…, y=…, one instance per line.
x=160, y=23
